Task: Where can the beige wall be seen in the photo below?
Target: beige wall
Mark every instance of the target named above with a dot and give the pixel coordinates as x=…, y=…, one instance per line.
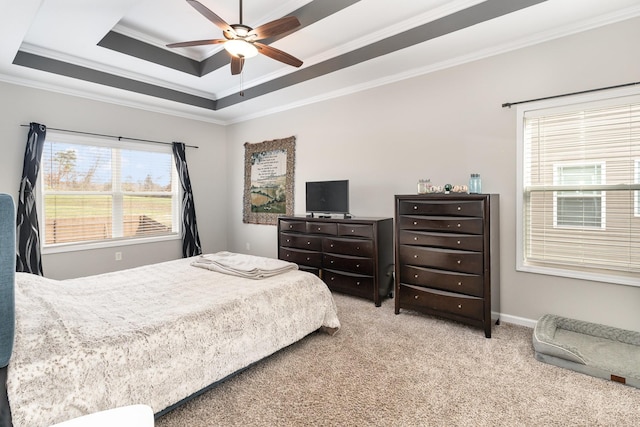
x=441, y=126
x=207, y=167
x=444, y=126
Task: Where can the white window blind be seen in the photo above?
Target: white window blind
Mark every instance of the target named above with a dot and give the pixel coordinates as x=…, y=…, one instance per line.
x=98, y=190
x=579, y=190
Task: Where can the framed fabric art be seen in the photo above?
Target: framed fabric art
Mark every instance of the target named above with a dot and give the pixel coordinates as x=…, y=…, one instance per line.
x=268, y=180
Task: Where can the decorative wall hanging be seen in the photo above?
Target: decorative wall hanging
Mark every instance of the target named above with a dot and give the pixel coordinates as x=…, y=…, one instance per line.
x=268, y=180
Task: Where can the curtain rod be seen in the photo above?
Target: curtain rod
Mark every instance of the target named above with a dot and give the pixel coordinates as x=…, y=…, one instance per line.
x=119, y=138
x=509, y=104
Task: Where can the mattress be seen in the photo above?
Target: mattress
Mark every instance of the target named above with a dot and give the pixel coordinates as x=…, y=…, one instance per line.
x=151, y=335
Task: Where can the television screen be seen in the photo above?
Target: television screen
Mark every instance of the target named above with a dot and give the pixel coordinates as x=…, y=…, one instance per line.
x=328, y=196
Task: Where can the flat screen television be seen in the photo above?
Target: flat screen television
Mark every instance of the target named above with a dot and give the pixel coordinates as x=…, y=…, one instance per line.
x=328, y=197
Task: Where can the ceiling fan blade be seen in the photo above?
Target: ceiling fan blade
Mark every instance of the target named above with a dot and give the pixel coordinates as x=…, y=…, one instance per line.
x=196, y=43
x=274, y=28
x=278, y=55
x=236, y=65
x=207, y=13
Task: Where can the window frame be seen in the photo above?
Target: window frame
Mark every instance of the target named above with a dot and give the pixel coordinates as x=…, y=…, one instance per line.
x=90, y=140
x=551, y=105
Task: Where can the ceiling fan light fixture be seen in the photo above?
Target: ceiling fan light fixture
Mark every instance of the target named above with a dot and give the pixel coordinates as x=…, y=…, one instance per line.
x=240, y=48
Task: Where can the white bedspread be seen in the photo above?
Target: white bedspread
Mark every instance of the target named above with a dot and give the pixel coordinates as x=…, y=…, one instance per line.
x=249, y=266
x=150, y=335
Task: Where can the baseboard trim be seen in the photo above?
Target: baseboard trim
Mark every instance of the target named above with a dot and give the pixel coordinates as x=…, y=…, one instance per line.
x=522, y=321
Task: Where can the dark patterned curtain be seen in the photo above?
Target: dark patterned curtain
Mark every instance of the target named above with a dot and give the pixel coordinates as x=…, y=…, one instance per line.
x=28, y=258
x=190, y=238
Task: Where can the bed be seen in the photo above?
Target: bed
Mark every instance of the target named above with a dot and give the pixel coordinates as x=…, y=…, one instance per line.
x=155, y=335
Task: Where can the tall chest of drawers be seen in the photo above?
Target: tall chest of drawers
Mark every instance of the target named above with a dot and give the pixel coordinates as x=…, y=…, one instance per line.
x=447, y=256
x=353, y=256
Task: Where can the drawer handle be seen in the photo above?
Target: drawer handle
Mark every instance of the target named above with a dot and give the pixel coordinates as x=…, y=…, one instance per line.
x=308, y=259
x=318, y=228
x=415, y=276
x=331, y=261
x=415, y=239
x=291, y=226
x=458, y=225
x=357, y=265
x=308, y=243
x=288, y=241
x=416, y=297
x=358, y=283
x=415, y=222
x=459, y=262
x=459, y=283
x=459, y=305
x=459, y=208
x=357, y=248
x=332, y=245
x=458, y=241
x=353, y=231
x=415, y=256
x=415, y=207
x=333, y=278
x=287, y=255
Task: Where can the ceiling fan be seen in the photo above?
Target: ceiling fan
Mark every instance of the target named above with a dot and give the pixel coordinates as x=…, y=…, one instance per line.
x=241, y=41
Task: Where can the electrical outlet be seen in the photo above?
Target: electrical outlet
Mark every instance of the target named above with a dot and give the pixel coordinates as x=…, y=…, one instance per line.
x=118, y=256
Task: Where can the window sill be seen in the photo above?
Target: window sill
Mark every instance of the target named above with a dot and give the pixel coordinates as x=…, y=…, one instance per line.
x=627, y=280
x=73, y=247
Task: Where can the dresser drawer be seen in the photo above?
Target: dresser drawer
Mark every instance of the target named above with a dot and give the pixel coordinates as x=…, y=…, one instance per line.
x=298, y=226
x=301, y=241
x=353, y=284
x=440, y=301
x=442, y=207
x=348, y=246
x=445, y=259
x=352, y=264
x=300, y=256
x=443, y=240
x=465, y=283
x=355, y=230
x=444, y=224
x=312, y=270
x=322, y=228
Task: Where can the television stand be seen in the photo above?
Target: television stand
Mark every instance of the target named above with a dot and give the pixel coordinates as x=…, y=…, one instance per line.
x=327, y=215
x=318, y=215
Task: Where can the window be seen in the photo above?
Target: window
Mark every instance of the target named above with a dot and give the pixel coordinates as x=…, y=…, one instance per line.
x=578, y=208
x=97, y=191
x=578, y=163
x=636, y=197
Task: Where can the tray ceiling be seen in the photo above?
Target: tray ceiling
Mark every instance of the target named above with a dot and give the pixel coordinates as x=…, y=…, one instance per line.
x=116, y=50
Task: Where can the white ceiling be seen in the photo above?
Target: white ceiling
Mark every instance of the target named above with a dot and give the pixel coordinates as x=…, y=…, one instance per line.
x=54, y=44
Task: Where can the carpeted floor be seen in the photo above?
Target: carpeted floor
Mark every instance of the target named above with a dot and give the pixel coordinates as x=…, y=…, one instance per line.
x=383, y=369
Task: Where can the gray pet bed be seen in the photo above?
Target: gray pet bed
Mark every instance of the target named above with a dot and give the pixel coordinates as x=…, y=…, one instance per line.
x=593, y=349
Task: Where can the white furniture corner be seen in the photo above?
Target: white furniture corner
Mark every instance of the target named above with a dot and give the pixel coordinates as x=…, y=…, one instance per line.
x=126, y=416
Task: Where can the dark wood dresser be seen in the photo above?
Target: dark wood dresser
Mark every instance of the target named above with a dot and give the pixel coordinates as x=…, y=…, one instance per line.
x=447, y=256
x=353, y=256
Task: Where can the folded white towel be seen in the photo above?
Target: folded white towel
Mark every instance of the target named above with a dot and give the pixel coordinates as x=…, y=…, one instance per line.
x=249, y=266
